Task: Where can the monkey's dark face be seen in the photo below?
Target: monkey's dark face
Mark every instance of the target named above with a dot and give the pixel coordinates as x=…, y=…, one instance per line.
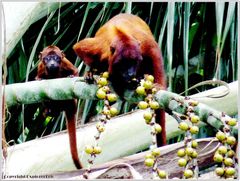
x=52, y=63
x=125, y=65
x=126, y=70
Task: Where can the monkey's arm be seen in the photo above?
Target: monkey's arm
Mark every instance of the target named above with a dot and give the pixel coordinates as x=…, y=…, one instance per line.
x=68, y=69
x=154, y=65
x=156, y=58
x=41, y=74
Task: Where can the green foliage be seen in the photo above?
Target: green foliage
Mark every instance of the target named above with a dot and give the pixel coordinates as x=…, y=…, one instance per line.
x=189, y=45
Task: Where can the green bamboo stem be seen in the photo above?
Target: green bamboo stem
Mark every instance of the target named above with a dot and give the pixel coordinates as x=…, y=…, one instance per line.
x=69, y=88
x=170, y=33
x=185, y=43
x=56, y=89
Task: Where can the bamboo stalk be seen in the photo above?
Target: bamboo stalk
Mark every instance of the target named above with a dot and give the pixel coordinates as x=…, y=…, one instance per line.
x=170, y=33
x=51, y=154
x=187, y=7
x=68, y=88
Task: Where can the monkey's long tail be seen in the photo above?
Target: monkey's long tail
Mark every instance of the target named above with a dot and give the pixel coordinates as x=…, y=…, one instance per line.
x=73, y=139
x=160, y=119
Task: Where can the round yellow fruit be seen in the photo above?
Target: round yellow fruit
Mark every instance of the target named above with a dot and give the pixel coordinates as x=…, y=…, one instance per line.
x=194, y=154
x=148, y=121
x=157, y=128
x=147, y=116
x=98, y=125
x=162, y=174
x=150, y=78
x=232, y=122
x=101, y=128
x=105, y=75
x=149, y=162
x=97, y=149
x=189, y=151
x=219, y=171
x=182, y=162
x=181, y=152
x=111, y=97
x=193, y=103
x=220, y=136
x=228, y=161
x=106, y=112
x=140, y=90
x=154, y=105
x=105, y=88
x=183, y=126
x=231, y=140
x=101, y=94
x=188, y=173
x=230, y=171
x=230, y=154
x=156, y=152
x=218, y=158
x=194, y=144
x=102, y=81
x=222, y=150
x=194, y=130
x=149, y=155
x=147, y=84
x=142, y=105
x=89, y=149
x=194, y=119
x=113, y=111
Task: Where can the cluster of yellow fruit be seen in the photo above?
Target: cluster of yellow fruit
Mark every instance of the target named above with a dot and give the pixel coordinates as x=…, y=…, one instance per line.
x=147, y=90
x=93, y=150
x=103, y=93
x=188, y=155
x=147, y=86
x=150, y=161
x=224, y=155
x=193, y=129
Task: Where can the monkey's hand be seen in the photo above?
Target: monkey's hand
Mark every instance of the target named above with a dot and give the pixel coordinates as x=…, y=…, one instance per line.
x=38, y=78
x=71, y=76
x=88, y=76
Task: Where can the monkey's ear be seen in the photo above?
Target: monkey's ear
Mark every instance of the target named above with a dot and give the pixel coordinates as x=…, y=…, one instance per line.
x=113, y=45
x=112, y=49
x=40, y=56
x=139, y=43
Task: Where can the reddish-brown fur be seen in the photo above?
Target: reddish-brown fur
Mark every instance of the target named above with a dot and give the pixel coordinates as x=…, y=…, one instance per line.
x=66, y=68
x=125, y=38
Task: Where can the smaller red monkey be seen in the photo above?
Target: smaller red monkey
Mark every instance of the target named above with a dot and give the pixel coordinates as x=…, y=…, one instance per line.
x=54, y=64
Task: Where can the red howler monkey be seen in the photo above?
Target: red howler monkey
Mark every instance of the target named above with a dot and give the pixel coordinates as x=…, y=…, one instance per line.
x=126, y=48
x=53, y=64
